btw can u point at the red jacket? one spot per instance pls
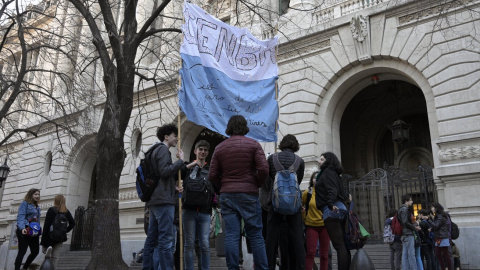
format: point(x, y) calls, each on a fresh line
point(238, 165)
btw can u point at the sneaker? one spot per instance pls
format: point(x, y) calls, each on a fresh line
point(48, 254)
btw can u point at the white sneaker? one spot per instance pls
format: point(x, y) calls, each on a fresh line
point(48, 254)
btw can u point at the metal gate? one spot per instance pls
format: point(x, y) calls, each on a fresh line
point(82, 236)
point(382, 189)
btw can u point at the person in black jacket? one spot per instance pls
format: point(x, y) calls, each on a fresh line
point(441, 229)
point(59, 206)
point(289, 145)
point(196, 215)
point(426, 246)
point(330, 196)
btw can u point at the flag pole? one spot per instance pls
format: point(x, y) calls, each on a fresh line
point(276, 89)
point(180, 225)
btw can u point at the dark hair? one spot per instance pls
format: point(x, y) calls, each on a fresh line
point(391, 213)
point(166, 130)
point(237, 125)
point(289, 142)
point(423, 212)
point(29, 196)
point(314, 174)
point(406, 197)
point(439, 210)
point(202, 143)
point(332, 162)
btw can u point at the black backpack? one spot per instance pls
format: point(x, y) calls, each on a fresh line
point(455, 231)
point(146, 180)
point(196, 191)
point(58, 229)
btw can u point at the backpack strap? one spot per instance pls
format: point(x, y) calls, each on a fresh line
point(276, 163)
point(295, 164)
point(279, 167)
point(309, 197)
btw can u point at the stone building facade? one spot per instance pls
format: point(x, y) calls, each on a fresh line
point(347, 70)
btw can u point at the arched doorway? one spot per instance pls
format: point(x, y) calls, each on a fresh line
point(366, 139)
point(382, 169)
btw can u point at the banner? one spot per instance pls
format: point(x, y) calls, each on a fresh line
point(227, 71)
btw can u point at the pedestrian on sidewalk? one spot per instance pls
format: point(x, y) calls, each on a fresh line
point(58, 222)
point(396, 246)
point(441, 229)
point(29, 211)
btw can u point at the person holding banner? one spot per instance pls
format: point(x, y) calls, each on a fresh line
point(239, 169)
point(161, 233)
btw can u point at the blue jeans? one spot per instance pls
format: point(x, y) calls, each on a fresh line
point(418, 257)
point(409, 261)
point(237, 206)
point(196, 225)
point(159, 245)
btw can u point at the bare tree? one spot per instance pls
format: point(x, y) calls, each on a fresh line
point(119, 41)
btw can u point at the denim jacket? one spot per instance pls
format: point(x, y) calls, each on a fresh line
point(27, 211)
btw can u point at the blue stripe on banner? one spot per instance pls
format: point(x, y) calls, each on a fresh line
point(209, 98)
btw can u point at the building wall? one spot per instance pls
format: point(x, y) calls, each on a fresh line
point(323, 65)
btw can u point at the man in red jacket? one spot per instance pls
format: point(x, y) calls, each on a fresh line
point(238, 169)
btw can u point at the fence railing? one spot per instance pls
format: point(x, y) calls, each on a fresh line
point(82, 236)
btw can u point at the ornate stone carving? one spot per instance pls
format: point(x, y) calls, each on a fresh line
point(360, 27)
point(129, 195)
point(456, 153)
point(433, 11)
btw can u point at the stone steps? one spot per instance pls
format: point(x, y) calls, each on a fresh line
point(78, 260)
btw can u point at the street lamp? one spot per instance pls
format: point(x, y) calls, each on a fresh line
point(400, 131)
point(4, 170)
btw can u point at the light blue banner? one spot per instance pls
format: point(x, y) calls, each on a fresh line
point(209, 98)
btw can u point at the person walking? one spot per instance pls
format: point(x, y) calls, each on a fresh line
point(396, 246)
point(197, 207)
point(441, 230)
point(28, 212)
point(160, 243)
point(52, 222)
point(330, 196)
point(409, 261)
point(238, 169)
point(288, 146)
point(315, 230)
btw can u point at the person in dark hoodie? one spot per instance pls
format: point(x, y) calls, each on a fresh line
point(289, 145)
point(197, 209)
point(330, 196)
point(161, 232)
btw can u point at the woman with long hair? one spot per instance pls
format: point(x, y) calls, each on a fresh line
point(314, 228)
point(56, 239)
point(29, 211)
point(441, 232)
point(330, 197)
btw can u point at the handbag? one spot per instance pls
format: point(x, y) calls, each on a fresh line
point(33, 228)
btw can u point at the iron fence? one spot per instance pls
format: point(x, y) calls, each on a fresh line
point(82, 236)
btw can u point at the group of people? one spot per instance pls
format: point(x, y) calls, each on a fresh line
point(29, 230)
point(238, 169)
point(425, 241)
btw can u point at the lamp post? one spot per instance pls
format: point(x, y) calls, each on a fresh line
point(4, 170)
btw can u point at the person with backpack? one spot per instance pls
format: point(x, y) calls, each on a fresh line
point(393, 240)
point(197, 203)
point(238, 169)
point(160, 242)
point(315, 230)
point(28, 228)
point(278, 163)
point(427, 240)
point(330, 196)
point(409, 261)
point(58, 222)
point(441, 230)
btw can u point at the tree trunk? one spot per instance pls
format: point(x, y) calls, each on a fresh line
point(106, 248)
